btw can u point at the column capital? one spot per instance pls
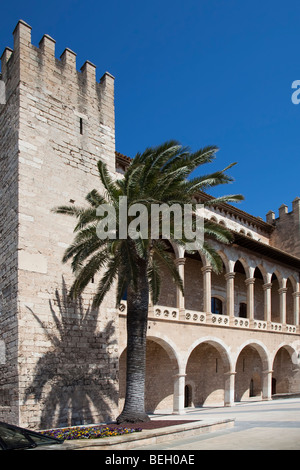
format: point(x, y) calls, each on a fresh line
point(296, 294)
point(229, 276)
point(229, 373)
point(180, 261)
point(266, 372)
point(250, 280)
point(282, 290)
point(206, 269)
point(267, 286)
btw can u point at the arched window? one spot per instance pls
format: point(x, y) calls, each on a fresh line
point(216, 305)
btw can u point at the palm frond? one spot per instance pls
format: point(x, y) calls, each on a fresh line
point(154, 280)
point(108, 183)
point(87, 273)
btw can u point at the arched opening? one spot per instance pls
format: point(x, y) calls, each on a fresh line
point(205, 368)
point(218, 291)
point(240, 291)
point(258, 295)
point(168, 290)
point(275, 303)
point(161, 366)
point(286, 374)
point(193, 282)
point(290, 317)
point(249, 367)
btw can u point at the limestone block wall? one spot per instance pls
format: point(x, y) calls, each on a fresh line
point(66, 355)
point(9, 112)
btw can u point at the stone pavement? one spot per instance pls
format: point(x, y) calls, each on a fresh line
point(267, 425)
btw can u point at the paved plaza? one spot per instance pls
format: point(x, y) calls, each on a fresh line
point(268, 425)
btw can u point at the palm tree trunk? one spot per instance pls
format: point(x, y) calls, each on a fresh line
point(137, 317)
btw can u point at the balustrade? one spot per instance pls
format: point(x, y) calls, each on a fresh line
point(165, 313)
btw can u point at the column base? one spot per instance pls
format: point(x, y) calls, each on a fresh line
point(179, 412)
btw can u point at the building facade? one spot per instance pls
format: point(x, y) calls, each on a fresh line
point(233, 336)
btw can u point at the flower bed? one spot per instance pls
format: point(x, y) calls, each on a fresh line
point(88, 432)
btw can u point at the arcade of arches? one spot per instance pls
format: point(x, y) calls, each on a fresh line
point(221, 359)
point(211, 377)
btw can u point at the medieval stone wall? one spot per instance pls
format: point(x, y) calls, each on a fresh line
point(67, 358)
point(9, 113)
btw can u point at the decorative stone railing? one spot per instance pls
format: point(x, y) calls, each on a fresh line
point(194, 316)
point(161, 312)
point(260, 325)
point(220, 320)
point(290, 328)
point(166, 313)
point(241, 322)
point(276, 326)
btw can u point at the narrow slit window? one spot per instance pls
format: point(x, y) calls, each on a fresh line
point(81, 125)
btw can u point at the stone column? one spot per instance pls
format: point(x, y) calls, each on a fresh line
point(296, 296)
point(229, 388)
point(267, 301)
point(250, 298)
point(282, 297)
point(267, 385)
point(180, 297)
point(207, 288)
point(178, 397)
point(230, 294)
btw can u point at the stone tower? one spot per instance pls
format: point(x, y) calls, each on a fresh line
point(286, 233)
point(58, 362)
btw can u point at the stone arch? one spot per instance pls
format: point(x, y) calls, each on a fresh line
point(245, 265)
point(279, 277)
point(204, 260)
point(221, 347)
point(293, 282)
point(169, 347)
point(251, 364)
point(225, 260)
point(262, 270)
point(242, 272)
point(286, 373)
point(207, 366)
point(277, 282)
point(260, 348)
point(290, 304)
point(162, 364)
point(260, 276)
point(289, 348)
point(178, 249)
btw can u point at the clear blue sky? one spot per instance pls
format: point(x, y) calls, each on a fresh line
point(202, 72)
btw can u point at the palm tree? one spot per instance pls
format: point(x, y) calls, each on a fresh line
point(159, 175)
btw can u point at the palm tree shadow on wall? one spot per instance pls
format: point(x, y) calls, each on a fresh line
point(75, 380)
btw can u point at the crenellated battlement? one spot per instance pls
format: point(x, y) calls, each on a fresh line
point(25, 59)
point(283, 211)
point(59, 99)
point(286, 235)
point(23, 46)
